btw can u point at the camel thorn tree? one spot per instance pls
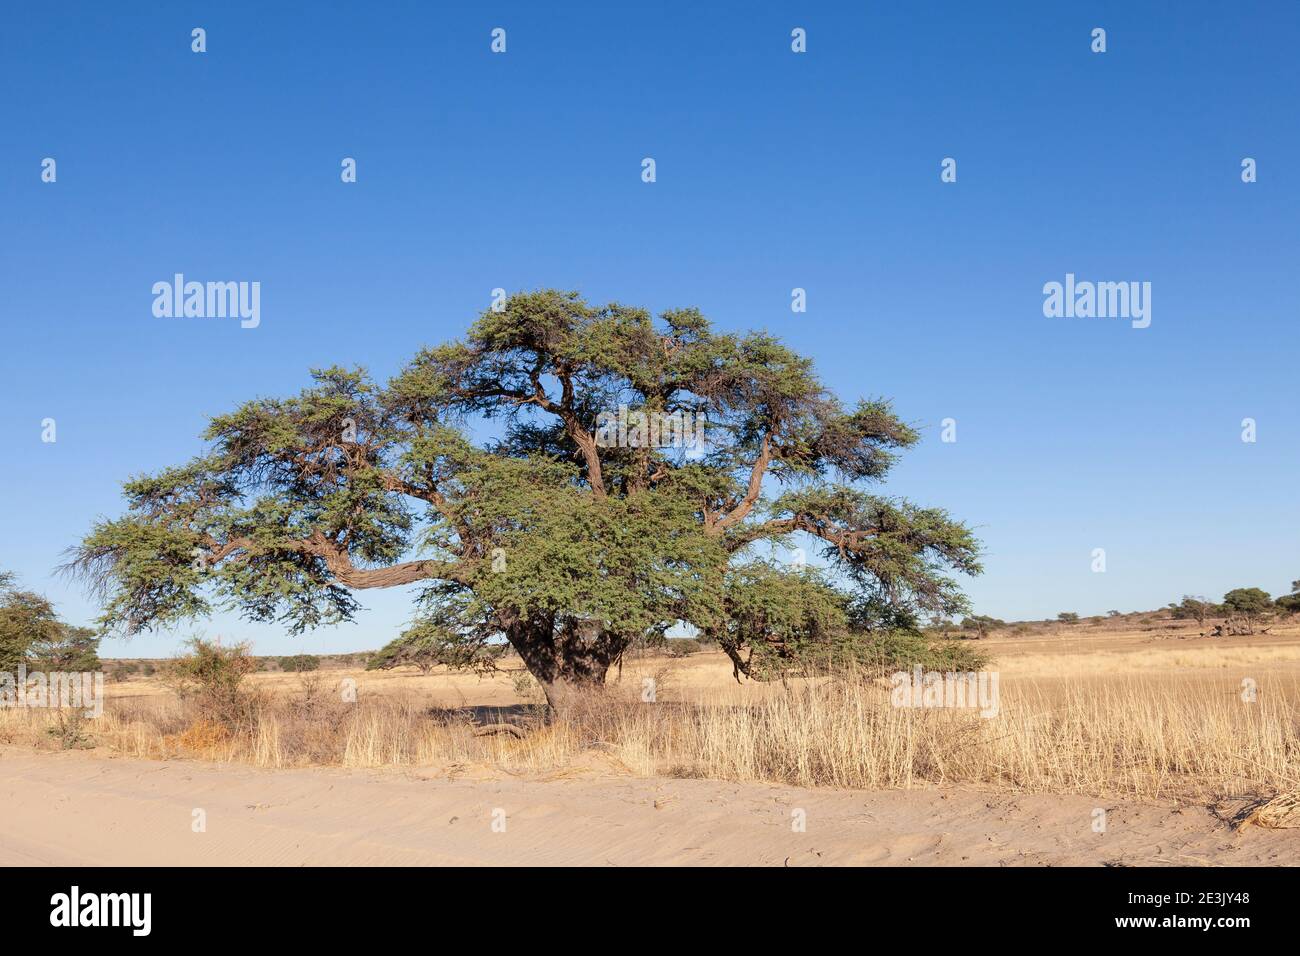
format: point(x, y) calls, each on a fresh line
point(548, 534)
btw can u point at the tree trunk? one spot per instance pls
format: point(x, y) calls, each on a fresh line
point(568, 661)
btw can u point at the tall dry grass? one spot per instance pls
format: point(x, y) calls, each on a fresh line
point(1189, 737)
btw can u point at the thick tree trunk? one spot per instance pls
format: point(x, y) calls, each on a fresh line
point(568, 661)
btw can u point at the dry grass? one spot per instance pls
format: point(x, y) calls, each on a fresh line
point(1146, 732)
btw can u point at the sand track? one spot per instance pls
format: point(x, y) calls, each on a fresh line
point(86, 809)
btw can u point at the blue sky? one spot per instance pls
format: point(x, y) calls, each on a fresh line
point(774, 170)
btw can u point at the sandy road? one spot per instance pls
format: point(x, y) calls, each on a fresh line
point(86, 809)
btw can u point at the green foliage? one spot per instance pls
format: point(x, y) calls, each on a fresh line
point(211, 676)
point(69, 729)
point(1068, 617)
point(428, 644)
point(71, 649)
point(982, 624)
point(774, 619)
point(1290, 603)
point(681, 646)
point(299, 663)
point(544, 537)
point(1193, 609)
point(1248, 602)
point(121, 672)
point(27, 622)
point(887, 653)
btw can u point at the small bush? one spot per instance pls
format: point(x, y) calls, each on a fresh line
point(69, 729)
point(527, 689)
point(298, 663)
point(122, 671)
point(211, 677)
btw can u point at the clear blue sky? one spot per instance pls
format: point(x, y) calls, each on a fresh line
point(775, 170)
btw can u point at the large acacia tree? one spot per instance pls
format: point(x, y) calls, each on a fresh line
point(544, 534)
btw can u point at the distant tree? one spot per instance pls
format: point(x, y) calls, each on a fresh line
point(71, 649)
point(26, 620)
point(1290, 602)
point(1112, 613)
point(1247, 603)
point(1193, 609)
point(981, 624)
point(1068, 617)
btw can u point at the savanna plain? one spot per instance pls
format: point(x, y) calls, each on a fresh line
point(1136, 740)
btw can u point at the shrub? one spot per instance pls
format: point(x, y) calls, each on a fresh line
point(886, 652)
point(1068, 617)
point(681, 646)
point(300, 662)
point(211, 676)
point(889, 652)
point(69, 729)
point(118, 673)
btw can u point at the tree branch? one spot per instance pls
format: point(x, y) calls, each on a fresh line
point(746, 505)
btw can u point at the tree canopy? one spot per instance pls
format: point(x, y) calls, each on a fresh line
point(567, 545)
point(32, 634)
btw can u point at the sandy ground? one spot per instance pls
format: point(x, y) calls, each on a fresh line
point(83, 809)
point(92, 808)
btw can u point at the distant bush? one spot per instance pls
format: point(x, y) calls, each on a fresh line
point(300, 662)
point(681, 646)
point(1068, 617)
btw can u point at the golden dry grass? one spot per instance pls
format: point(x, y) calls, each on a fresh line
point(1138, 717)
